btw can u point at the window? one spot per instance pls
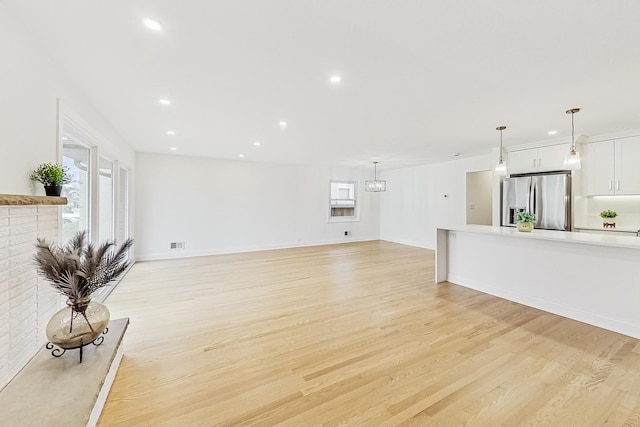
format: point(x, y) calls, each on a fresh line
point(75, 215)
point(122, 232)
point(342, 201)
point(99, 191)
point(105, 202)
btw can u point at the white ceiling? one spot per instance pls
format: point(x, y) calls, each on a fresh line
point(421, 79)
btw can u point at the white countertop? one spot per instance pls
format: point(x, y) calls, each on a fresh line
point(607, 230)
point(553, 235)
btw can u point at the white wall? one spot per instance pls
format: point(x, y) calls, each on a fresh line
point(223, 206)
point(422, 198)
point(31, 84)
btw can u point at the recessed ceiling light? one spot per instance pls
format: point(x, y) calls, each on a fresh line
point(173, 149)
point(65, 138)
point(241, 156)
point(282, 124)
point(456, 154)
point(152, 24)
point(335, 79)
point(552, 132)
point(257, 144)
point(164, 101)
point(170, 132)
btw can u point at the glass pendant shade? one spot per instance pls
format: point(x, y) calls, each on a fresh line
point(572, 161)
point(376, 185)
point(501, 166)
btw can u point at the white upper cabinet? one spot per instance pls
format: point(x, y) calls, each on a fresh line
point(543, 159)
point(611, 167)
point(599, 168)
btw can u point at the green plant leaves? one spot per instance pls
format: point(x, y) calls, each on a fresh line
point(51, 174)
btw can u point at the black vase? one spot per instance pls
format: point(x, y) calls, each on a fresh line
point(53, 190)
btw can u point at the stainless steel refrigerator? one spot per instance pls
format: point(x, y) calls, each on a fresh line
point(547, 195)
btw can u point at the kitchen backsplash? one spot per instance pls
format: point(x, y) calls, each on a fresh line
point(587, 211)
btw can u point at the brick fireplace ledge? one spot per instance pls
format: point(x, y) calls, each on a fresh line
point(62, 391)
point(25, 200)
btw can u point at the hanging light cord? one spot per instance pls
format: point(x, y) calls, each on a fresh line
point(573, 137)
point(375, 171)
point(501, 128)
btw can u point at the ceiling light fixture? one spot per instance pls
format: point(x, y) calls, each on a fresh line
point(572, 161)
point(241, 156)
point(552, 132)
point(377, 185)
point(501, 166)
point(170, 132)
point(257, 144)
point(164, 101)
point(335, 79)
point(152, 24)
point(282, 124)
point(173, 149)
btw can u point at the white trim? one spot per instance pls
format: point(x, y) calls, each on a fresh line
point(189, 254)
point(357, 198)
point(408, 243)
point(106, 386)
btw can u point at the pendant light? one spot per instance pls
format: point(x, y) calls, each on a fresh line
point(377, 185)
point(572, 161)
point(501, 166)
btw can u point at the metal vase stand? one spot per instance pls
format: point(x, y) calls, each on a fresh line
point(57, 351)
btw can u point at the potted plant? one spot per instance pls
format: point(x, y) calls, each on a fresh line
point(605, 215)
point(525, 221)
point(52, 176)
point(76, 270)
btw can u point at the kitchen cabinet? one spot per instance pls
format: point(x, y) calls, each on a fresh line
point(543, 159)
point(611, 167)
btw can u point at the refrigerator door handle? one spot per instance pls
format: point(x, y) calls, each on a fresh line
point(534, 191)
point(532, 199)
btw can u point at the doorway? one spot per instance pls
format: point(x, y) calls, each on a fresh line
point(479, 197)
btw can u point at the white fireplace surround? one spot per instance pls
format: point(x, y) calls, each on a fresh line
point(27, 302)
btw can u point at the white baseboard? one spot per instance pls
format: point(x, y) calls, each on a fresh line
point(408, 243)
point(191, 254)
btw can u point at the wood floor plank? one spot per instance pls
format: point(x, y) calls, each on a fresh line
point(353, 334)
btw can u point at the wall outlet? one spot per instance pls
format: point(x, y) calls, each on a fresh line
point(176, 245)
point(347, 233)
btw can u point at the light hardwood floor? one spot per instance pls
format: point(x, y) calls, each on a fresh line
point(354, 334)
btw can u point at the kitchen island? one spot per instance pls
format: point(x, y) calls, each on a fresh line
point(587, 277)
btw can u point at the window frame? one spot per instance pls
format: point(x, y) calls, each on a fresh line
point(356, 198)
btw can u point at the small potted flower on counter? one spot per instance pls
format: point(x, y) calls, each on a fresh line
point(607, 216)
point(52, 176)
point(525, 221)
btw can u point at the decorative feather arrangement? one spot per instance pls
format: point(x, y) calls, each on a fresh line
point(78, 268)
